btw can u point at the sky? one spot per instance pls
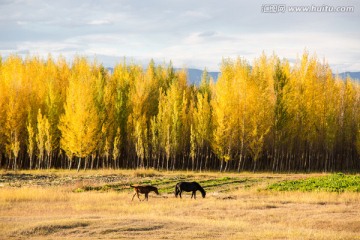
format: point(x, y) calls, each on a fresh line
point(192, 34)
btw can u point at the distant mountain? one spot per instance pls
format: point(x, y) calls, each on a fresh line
point(110, 69)
point(353, 75)
point(194, 75)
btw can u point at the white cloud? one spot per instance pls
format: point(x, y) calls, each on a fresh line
point(100, 22)
point(195, 34)
point(196, 14)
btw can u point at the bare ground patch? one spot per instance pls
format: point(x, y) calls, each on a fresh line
point(44, 229)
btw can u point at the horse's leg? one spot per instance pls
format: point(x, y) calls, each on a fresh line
point(133, 197)
point(180, 193)
point(146, 196)
point(138, 195)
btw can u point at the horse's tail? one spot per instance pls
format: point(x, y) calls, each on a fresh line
point(177, 190)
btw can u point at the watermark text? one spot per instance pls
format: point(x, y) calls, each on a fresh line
point(283, 8)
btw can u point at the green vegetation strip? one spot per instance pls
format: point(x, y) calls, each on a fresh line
point(333, 183)
point(167, 185)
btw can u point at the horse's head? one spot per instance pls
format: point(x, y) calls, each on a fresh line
point(203, 194)
point(156, 191)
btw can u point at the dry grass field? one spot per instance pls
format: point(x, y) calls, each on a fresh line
point(97, 205)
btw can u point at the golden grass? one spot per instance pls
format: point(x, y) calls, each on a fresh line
point(56, 212)
point(33, 194)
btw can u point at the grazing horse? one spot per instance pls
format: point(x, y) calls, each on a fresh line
point(189, 187)
point(144, 190)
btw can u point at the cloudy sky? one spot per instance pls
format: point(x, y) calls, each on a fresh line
point(193, 34)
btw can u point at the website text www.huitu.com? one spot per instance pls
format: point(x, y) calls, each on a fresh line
point(283, 8)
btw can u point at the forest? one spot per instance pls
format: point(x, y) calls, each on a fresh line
point(265, 115)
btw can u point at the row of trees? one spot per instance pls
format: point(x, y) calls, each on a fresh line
point(265, 116)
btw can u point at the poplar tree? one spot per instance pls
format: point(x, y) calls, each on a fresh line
point(223, 107)
point(270, 115)
point(42, 134)
point(31, 143)
point(15, 108)
point(79, 123)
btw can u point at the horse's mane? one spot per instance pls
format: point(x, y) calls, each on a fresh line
point(152, 187)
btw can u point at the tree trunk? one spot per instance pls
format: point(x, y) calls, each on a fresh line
point(78, 168)
point(92, 162)
point(86, 161)
point(14, 166)
point(30, 162)
point(70, 162)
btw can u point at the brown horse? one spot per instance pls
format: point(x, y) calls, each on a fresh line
point(144, 190)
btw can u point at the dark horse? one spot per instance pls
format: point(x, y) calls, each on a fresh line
point(189, 187)
point(144, 190)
